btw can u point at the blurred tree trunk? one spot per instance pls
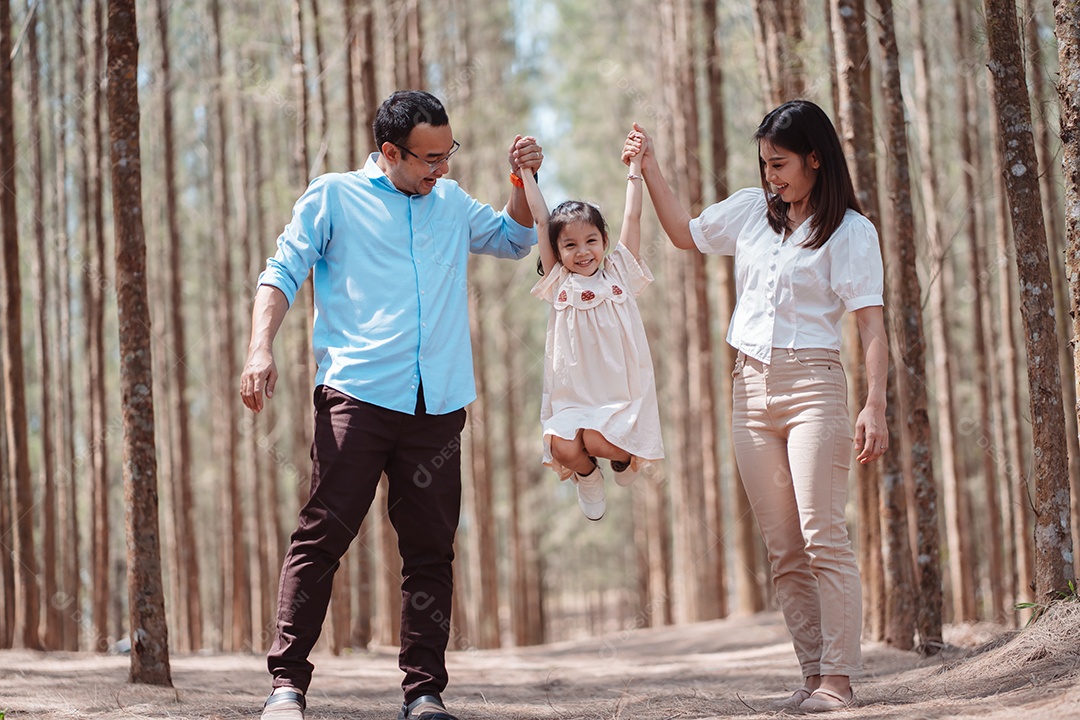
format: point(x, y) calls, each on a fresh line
point(853, 71)
point(1067, 23)
point(52, 620)
point(983, 350)
point(24, 630)
point(236, 582)
point(189, 633)
point(485, 574)
point(387, 628)
point(414, 46)
point(146, 602)
point(65, 408)
point(957, 511)
point(1015, 468)
point(1053, 547)
point(714, 78)
point(96, 282)
point(779, 28)
point(7, 552)
point(1056, 238)
point(906, 389)
point(322, 156)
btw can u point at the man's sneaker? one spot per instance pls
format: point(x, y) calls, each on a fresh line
point(425, 707)
point(624, 475)
point(284, 705)
point(590, 493)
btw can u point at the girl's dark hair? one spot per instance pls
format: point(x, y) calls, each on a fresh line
point(802, 127)
point(571, 211)
point(404, 110)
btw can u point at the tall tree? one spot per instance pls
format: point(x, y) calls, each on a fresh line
point(1067, 25)
point(53, 620)
point(779, 27)
point(146, 602)
point(984, 349)
point(237, 582)
point(961, 568)
point(906, 389)
point(188, 589)
point(856, 111)
point(1053, 547)
point(27, 600)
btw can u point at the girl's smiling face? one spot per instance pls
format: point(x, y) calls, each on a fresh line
point(581, 247)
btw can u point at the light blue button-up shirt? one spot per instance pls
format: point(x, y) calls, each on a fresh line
point(391, 295)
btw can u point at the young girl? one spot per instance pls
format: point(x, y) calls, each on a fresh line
point(803, 256)
point(599, 390)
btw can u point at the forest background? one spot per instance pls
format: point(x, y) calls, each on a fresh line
point(242, 103)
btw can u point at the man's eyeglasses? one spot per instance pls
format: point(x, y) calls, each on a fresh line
point(433, 165)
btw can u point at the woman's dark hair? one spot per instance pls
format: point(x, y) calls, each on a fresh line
point(802, 127)
point(403, 111)
point(568, 212)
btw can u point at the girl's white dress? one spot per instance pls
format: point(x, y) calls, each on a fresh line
point(598, 372)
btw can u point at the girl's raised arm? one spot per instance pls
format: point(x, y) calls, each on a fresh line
point(630, 236)
point(540, 213)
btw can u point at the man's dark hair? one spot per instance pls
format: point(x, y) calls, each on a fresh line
point(403, 111)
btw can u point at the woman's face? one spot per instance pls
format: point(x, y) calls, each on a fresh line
point(792, 176)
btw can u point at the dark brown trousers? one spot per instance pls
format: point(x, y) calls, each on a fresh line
point(355, 442)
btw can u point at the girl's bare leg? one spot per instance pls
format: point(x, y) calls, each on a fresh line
point(597, 445)
point(572, 453)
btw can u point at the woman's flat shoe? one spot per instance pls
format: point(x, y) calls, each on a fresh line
point(823, 700)
point(793, 701)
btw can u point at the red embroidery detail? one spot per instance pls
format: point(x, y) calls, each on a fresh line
point(616, 290)
point(562, 296)
point(587, 295)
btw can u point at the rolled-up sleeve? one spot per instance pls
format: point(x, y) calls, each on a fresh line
point(857, 272)
point(717, 228)
point(302, 242)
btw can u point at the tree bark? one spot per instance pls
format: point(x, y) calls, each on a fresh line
point(1067, 24)
point(1055, 237)
point(905, 388)
point(189, 584)
point(957, 510)
point(983, 350)
point(24, 630)
point(1053, 536)
point(853, 71)
point(53, 618)
point(779, 24)
point(146, 602)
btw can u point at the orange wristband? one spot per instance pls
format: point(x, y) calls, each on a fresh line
point(516, 181)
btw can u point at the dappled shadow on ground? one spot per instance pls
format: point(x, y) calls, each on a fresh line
point(722, 669)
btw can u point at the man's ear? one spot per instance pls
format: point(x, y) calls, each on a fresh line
point(390, 151)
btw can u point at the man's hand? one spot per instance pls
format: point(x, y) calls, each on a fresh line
point(260, 376)
point(525, 153)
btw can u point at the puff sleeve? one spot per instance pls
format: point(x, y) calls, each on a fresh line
point(857, 274)
point(717, 228)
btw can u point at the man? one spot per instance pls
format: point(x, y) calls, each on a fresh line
point(389, 245)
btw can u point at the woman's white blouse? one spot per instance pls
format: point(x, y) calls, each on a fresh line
point(788, 296)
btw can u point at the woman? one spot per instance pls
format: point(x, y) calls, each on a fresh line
point(803, 256)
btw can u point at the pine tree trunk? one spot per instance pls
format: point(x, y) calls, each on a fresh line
point(7, 553)
point(69, 528)
point(53, 620)
point(906, 391)
point(1056, 239)
point(853, 71)
point(146, 602)
point(779, 24)
point(96, 281)
point(27, 599)
point(970, 143)
point(322, 160)
point(485, 574)
point(957, 510)
point(187, 561)
point(714, 74)
point(1067, 23)
point(1053, 547)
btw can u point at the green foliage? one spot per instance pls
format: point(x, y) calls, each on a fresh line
point(1064, 595)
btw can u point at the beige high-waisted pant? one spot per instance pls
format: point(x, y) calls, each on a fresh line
point(793, 446)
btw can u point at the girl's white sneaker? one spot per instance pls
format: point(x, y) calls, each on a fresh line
point(590, 493)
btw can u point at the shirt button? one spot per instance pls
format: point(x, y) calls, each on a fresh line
point(423, 324)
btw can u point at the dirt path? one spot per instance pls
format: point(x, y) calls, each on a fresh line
point(722, 669)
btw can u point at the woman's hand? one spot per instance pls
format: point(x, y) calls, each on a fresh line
point(871, 434)
point(638, 144)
